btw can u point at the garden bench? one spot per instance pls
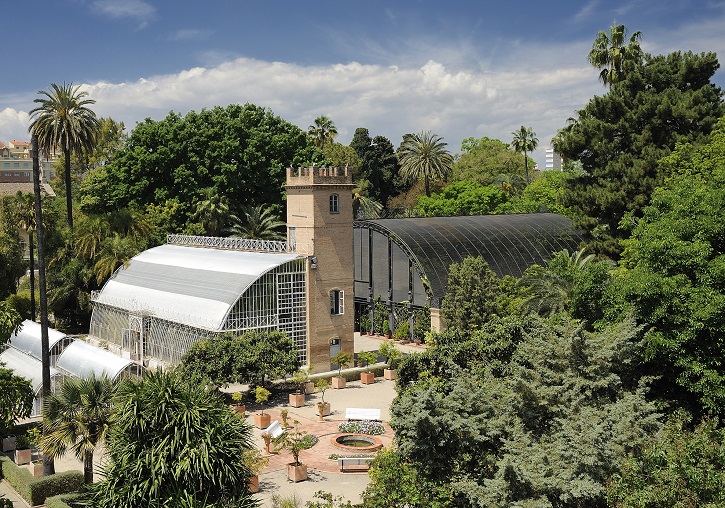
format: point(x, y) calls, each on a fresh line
point(359, 463)
point(361, 413)
point(275, 429)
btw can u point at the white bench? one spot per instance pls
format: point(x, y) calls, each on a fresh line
point(275, 429)
point(360, 463)
point(361, 413)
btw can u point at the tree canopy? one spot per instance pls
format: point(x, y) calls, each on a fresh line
point(619, 138)
point(238, 151)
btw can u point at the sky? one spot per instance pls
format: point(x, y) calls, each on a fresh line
point(458, 68)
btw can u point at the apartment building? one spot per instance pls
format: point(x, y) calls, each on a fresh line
point(16, 163)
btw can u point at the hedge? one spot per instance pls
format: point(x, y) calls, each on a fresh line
point(36, 490)
point(66, 501)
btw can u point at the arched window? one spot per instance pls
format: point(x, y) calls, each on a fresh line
point(334, 203)
point(337, 302)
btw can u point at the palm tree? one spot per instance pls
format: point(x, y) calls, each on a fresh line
point(77, 417)
point(258, 223)
point(63, 120)
point(612, 55)
point(525, 140)
point(26, 217)
point(424, 155)
point(212, 211)
point(323, 131)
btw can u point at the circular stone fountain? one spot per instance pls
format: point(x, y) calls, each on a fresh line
point(358, 443)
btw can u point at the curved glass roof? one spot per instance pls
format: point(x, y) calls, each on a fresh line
point(80, 359)
point(190, 285)
point(24, 365)
point(27, 339)
point(508, 243)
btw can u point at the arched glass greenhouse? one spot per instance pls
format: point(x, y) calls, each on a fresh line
point(407, 260)
point(171, 296)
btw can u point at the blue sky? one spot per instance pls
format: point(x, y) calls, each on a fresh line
point(458, 68)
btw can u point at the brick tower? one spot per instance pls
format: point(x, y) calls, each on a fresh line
point(319, 225)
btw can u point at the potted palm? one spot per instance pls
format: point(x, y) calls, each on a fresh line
point(323, 384)
point(342, 360)
point(392, 355)
point(256, 462)
point(261, 419)
point(295, 441)
point(369, 358)
point(299, 379)
point(238, 407)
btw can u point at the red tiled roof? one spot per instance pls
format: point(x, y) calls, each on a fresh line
point(12, 188)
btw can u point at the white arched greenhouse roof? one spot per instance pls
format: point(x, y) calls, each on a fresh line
point(190, 285)
point(26, 366)
point(81, 359)
point(27, 339)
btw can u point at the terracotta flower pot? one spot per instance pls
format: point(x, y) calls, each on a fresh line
point(23, 456)
point(297, 473)
point(262, 421)
point(253, 484)
point(309, 387)
point(367, 378)
point(239, 409)
point(338, 382)
point(390, 374)
point(9, 443)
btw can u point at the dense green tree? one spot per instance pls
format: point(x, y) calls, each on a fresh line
point(679, 467)
point(11, 253)
point(241, 152)
point(323, 132)
point(424, 156)
point(63, 120)
point(473, 294)
point(17, 399)
point(378, 177)
point(212, 211)
point(77, 417)
point(674, 281)
point(173, 443)
point(10, 321)
point(613, 54)
point(462, 198)
point(252, 357)
point(341, 156)
point(619, 139)
point(481, 160)
point(547, 427)
point(524, 141)
point(259, 223)
point(543, 194)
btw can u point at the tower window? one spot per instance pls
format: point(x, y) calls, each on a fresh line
point(334, 203)
point(337, 302)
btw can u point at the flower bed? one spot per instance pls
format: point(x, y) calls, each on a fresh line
point(368, 427)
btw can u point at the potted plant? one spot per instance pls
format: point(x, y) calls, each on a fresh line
point(23, 453)
point(392, 355)
point(256, 462)
point(342, 360)
point(309, 384)
point(38, 468)
point(299, 378)
point(321, 410)
point(386, 329)
point(402, 331)
point(262, 420)
point(369, 358)
point(284, 414)
point(323, 384)
point(295, 441)
point(238, 407)
point(267, 437)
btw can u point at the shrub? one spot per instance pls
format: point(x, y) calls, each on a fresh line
point(75, 500)
point(36, 490)
point(368, 427)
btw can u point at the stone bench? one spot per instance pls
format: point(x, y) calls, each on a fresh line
point(359, 463)
point(359, 413)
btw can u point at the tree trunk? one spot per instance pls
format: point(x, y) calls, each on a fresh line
point(427, 186)
point(32, 277)
point(88, 468)
point(48, 463)
point(526, 165)
point(68, 196)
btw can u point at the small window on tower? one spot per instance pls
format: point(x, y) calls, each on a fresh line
point(334, 203)
point(337, 302)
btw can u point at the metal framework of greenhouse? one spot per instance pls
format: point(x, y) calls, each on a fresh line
point(154, 310)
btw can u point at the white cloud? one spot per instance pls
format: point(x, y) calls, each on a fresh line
point(14, 125)
point(136, 9)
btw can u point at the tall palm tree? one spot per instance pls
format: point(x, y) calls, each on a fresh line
point(77, 417)
point(612, 54)
point(258, 223)
point(525, 140)
point(424, 155)
point(25, 214)
point(63, 120)
point(323, 131)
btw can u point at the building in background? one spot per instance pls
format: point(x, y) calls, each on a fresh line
point(553, 160)
point(16, 163)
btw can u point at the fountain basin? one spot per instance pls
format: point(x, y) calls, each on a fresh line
point(356, 443)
